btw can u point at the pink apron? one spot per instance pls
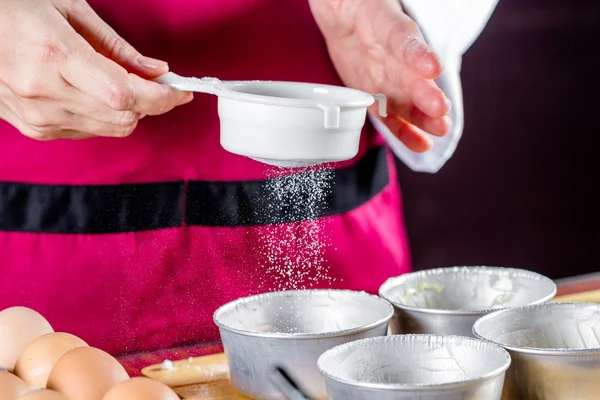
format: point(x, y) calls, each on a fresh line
point(133, 243)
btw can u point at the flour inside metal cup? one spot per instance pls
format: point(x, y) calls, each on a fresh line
point(468, 288)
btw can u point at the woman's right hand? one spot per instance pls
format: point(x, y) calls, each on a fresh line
point(65, 74)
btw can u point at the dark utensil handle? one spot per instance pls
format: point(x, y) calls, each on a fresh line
point(287, 386)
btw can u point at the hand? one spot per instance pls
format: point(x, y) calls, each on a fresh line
point(377, 48)
point(64, 73)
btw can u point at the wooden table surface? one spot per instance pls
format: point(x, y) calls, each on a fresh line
point(135, 362)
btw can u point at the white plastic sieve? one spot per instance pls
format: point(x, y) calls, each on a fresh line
point(286, 124)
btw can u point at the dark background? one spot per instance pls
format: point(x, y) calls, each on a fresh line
point(521, 189)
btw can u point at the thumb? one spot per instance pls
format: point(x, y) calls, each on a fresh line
point(107, 42)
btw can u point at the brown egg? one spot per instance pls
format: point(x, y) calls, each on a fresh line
point(11, 387)
point(85, 373)
point(37, 359)
point(43, 394)
point(141, 389)
point(19, 326)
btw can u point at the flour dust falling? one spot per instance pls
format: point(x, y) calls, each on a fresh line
point(293, 249)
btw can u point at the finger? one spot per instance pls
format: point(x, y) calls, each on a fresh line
point(106, 115)
point(66, 125)
point(406, 109)
point(412, 115)
point(69, 134)
point(38, 134)
point(107, 42)
point(91, 127)
point(79, 103)
point(111, 85)
point(151, 98)
point(56, 115)
point(408, 134)
point(429, 98)
point(49, 120)
point(433, 126)
point(186, 99)
point(7, 101)
point(418, 56)
point(402, 36)
point(8, 115)
point(406, 43)
point(421, 92)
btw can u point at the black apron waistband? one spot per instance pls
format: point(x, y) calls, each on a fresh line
point(92, 209)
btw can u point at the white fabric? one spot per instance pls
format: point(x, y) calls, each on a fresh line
point(450, 27)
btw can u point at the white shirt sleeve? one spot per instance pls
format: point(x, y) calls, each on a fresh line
point(450, 28)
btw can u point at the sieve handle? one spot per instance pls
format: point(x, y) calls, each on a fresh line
point(286, 385)
point(198, 85)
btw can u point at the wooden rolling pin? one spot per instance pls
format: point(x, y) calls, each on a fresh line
point(204, 377)
point(593, 296)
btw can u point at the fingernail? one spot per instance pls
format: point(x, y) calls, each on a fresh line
point(151, 63)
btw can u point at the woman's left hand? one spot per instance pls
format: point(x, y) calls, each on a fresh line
point(377, 48)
